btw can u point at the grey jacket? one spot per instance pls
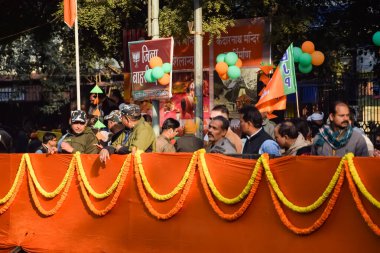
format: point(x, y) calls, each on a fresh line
point(355, 145)
point(223, 146)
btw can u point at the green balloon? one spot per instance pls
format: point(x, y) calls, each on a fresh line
point(157, 73)
point(297, 53)
point(220, 57)
point(305, 69)
point(233, 72)
point(166, 67)
point(148, 76)
point(231, 58)
point(305, 59)
point(376, 38)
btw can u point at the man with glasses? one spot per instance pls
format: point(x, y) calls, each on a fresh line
point(79, 137)
point(49, 144)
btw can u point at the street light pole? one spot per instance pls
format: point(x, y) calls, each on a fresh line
point(155, 7)
point(198, 67)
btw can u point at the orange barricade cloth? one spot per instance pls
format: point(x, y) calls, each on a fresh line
point(174, 203)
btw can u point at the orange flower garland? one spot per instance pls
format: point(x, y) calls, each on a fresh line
point(63, 195)
point(178, 206)
point(375, 228)
point(16, 188)
point(243, 207)
point(125, 169)
point(320, 221)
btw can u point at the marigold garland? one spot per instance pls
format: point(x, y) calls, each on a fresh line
point(243, 207)
point(375, 228)
point(148, 187)
point(181, 200)
point(42, 191)
point(359, 182)
point(89, 188)
point(215, 191)
point(320, 221)
point(313, 206)
point(54, 210)
point(93, 209)
point(14, 190)
point(11, 191)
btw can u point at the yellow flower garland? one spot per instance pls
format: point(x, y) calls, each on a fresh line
point(91, 206)
point(89, 188)
point(17, 178)
point(63, 195)
point(317, 203)
point(11, 195)
point(148, 187)
point(359, 183)
point(41, 190)
point(215, 191)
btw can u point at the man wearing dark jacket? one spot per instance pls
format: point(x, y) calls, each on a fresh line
point(189, 142)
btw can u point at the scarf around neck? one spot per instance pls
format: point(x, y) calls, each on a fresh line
point(337, 139)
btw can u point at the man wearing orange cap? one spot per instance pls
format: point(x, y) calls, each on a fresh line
point(189, 142)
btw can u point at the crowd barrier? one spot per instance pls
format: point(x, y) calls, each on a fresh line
point(187, 202)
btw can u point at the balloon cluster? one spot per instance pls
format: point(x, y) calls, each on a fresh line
point(306, 56)
point(158, 71)
point(376, 38)
point(228, 66)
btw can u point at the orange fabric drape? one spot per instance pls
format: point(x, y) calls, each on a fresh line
point(129, 227)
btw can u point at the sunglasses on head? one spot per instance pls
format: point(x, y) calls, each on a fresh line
point(79, 122)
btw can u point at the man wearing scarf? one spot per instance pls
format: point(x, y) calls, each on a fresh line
point(338, 138)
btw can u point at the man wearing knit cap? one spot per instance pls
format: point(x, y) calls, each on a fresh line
point(189, 142)
point(79, 138)
point(118, 134)
point(141, 137)
point(316, 122)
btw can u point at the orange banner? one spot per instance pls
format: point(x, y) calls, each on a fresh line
point(115, 207)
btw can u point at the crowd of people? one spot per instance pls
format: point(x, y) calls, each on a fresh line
point(128, 130)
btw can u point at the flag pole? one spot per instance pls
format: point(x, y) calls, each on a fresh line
point(77, 57)
point(298, 106)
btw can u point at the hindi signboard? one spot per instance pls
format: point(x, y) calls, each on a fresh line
point(140, 53)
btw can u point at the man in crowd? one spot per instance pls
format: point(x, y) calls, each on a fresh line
point(291, 140)
point(217, 131)
point(221, 110)
point(141, 137)
point(258, 141)
point(268, 125)
point(49, 144)
point(118, 134)
point(79, 137)
point(188, 142)
point(169, 131)
point(338, 138)
point(5, 141)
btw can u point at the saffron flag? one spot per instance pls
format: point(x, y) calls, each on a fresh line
point(69, 12)
point(281, 84)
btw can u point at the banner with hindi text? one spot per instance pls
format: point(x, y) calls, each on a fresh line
point(140, 53)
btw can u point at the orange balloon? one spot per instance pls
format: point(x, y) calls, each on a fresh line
point(165, 80)
point(155, 62)
point(308, 47)
point(224, 76)
point(317, 58)
point(239, 63)
point(221, 68)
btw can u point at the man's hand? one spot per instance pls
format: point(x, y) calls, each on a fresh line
point(104, 155)
point(67, 147)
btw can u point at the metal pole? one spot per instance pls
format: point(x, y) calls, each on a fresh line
point(155, 35)
point(198, 67)
point(77, 58)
